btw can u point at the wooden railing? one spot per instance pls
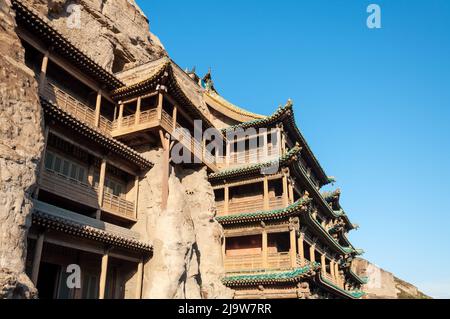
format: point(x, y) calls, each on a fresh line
point(248, 157)
point(249, 206)
point(76, 108)
point(69, 188)
point(119, 206)
point(275, 261)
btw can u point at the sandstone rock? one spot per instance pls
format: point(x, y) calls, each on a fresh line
point(115, 33)
point(383, 284)
point(187, 261)
point(21, 146)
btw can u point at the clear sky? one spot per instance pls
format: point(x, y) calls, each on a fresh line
point(374, 105)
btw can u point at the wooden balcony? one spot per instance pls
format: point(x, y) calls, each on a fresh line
point(259, 155)
point(85, 194)
point(68, 188)
point(76, 108)
point(248, 206)
point(118, 207)
point(244, 263)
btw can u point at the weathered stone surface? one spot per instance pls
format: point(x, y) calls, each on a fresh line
point(21, 146)
point(187, 261)
point(115, 33)
point(383, 284)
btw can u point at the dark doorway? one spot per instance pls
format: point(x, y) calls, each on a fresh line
point(47, 280)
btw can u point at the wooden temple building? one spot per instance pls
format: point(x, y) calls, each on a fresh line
point(284, 238)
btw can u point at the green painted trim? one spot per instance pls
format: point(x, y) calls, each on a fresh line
point(270, 277)
point(357, 294)
point(263, 215)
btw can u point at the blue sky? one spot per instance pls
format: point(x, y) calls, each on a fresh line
point(373, 104)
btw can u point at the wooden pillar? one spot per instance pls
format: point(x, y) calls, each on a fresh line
point(280, 149)
point(226, 200)
point(103, 275)
point(312, 253)
point(137, 117)
point(336, 273)
point(174, 117)
point(291, 192)
point(265, 146)
point(285, 190)
point(323, 262)
point(136, 196)
point(140, 277)
point(165, 167)
point(98, 104)
point(265, 253)
point(301, 248)
point(283, 143)
point(228, 154)
point(42, 163)
point(120, 114)
point(266, 193)
point(293, 249)
point(332, 273)
point(160, 106)
point(37, 258)
point(101, 186)
point(43, 74)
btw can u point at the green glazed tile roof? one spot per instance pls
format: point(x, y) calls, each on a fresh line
point(298, 206)
point(362, 280)
point(286, 113)
point(356, 294)
point(271, 277)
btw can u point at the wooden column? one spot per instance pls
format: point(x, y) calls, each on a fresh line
point(323, 263)
point(291, 192)
point(43, 74)
point(165, 142)
point(37, 258)
point(140, 277)
point(336, 273)
point(42, 163)
point(265, 252)
point(174, 117)
point(101, 187)
point(137, 117)
point(280, 148)
point(285, 190)
point(98, 104)
point(293, 249)
point(301, 248)
point(160, 106)
point(226, 200)
point(332, 273)
point(228, 154)
point(266, 193)
point(119, 120)
point(312, 253)
point(136, 196)
point(283, 143)
point(103, 275)
point(265, 146)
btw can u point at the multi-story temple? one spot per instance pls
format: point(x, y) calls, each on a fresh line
point(283, 237)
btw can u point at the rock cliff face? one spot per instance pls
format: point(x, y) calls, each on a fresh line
point(21, 145)
point(115, 33)
point(187, 240)
point(383, 284)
